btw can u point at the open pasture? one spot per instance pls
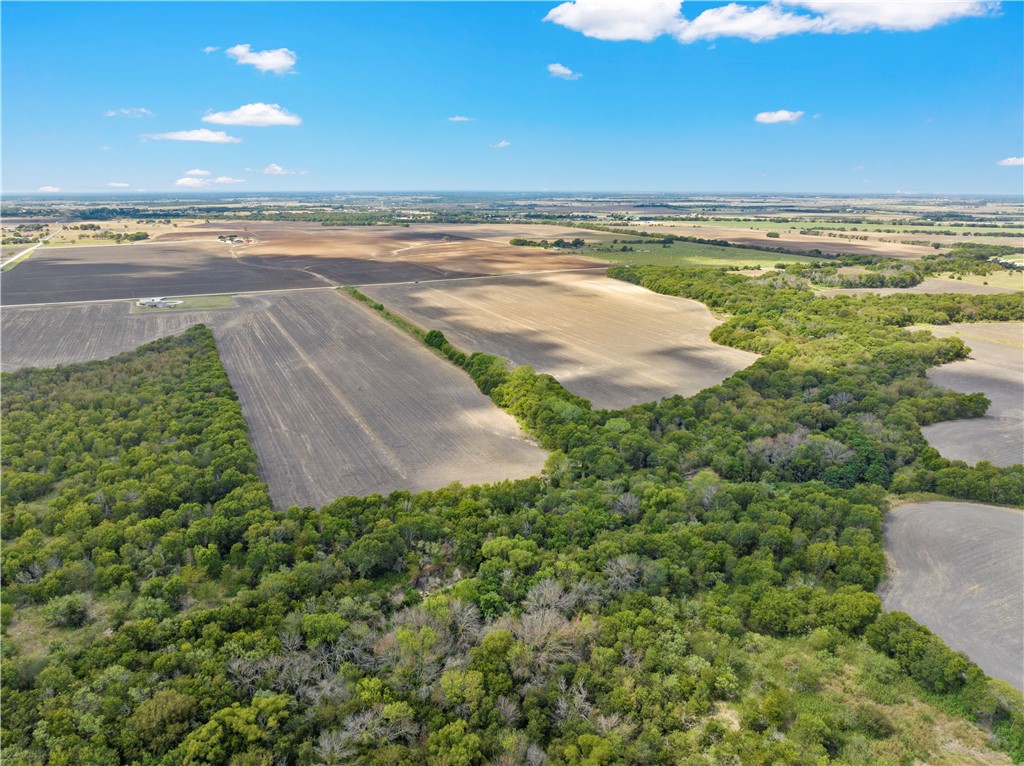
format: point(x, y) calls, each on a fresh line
point(956, 568)
point(612, 342)
point(1001, 282)
point(995, 368)
point(695, 254)
point(337, 401)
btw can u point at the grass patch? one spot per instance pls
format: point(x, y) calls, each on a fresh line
point(692, 254)
point(191, 303)
point(11, 264)
point(1011, 279)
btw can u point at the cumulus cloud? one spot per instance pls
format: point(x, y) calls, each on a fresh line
point(273, 169)
point(131, 111)
point(1011, 162)
point(460, 118)
point(204, 135)
point(210, 49)
point(500, 145)
point(192, 183)
point(48, 189)
point(197, 172)
point(256, 115)
point(647, 19)
point(278, 61)
point(618, 20)
point(780, 115)
point(118, 185)
point(563, 72)
point(228, 180)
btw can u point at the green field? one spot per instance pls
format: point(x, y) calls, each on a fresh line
point(922, 230)
point(192, 303)
point(692, 254)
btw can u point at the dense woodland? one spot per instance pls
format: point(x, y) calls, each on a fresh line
point(689, 581)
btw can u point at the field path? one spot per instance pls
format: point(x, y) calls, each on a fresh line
point(959, 569)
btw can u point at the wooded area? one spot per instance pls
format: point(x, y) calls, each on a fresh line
point(689, 581)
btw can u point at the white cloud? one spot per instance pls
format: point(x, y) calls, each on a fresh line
point(278, 61)
point(48, 189)
point(118, 185)
point(781, 115)
point(500, 145)
point(762, 22)
point(228, 180)
point(197, 172)
point(131, 111)
point(857, 168)
point(1011, 162)
point(273, 169)
point(461, 118)
point(256, 115)
point(914, 16)
point(105, 149)
point(204, 135)
point(617, 20)
point(193, 183)
point(210, 49)
point(563, 72)
point(647, 19)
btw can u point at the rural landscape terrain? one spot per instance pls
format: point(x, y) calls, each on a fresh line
point(567, 383)
point(690, 407)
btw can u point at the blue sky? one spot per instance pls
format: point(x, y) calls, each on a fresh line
point(867, 102)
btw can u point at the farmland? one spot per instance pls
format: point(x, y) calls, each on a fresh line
point(337, 402)
point(956, 567)
point(282, 255)
point(581, 328)
point(1001, 282)
point(995, 368)
point(341, 403)
point(792, 240)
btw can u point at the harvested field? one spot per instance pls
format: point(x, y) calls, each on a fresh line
point(995, 368)
point(284, 256)
point(68, 274)
point(612, 342)
point(929, 285)
point(957, 568)
point(47, 336)
point(337, 401)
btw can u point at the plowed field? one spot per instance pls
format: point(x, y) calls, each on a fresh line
point(957, 568)
point(612, 342)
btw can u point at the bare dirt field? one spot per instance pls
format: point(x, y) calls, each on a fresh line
point(995, 368)
point(47, 336)
point(337, 401)
point(959, 569)
point(67, 274)
point(929, 285)
point(284, 256)
point(612, 342)
point(792, 240)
